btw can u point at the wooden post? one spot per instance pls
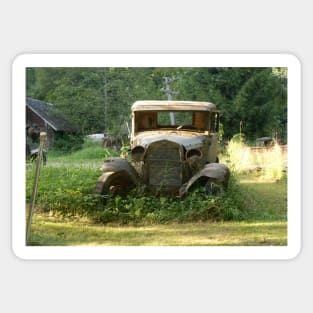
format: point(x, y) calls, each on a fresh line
point(43, 138)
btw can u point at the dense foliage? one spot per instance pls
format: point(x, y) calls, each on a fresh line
point(67, 183)
point(65, 142)
point(98, 99)
point(68, 191)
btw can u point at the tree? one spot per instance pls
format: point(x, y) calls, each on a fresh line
point(99, 99)
point(255, 97)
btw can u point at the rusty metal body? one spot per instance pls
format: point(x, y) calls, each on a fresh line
point(170, 158)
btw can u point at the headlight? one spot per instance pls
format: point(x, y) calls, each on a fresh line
point(137, 153)
point(193, 153)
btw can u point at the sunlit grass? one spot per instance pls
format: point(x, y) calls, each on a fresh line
point(270, 162)
point(237, 156)
point(51, 232)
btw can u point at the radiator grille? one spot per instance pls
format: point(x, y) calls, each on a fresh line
point(164, 164)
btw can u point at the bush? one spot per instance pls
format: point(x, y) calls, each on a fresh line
point(66, 142)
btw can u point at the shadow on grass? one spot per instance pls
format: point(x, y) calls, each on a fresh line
point(189, 234)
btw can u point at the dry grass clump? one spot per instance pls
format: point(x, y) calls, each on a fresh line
point(270, 162)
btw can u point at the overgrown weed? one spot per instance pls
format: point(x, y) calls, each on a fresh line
point(69, 192)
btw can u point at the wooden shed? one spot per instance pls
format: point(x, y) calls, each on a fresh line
point(46, 117)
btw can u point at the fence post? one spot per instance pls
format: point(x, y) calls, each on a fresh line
point(43, 138)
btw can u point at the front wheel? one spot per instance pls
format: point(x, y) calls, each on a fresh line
point(113, 183)
point(212, 188)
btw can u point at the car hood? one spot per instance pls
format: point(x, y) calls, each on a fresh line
point(190, 140)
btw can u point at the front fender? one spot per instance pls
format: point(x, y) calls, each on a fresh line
point(118, 175)
point(116, 164)
point(218, 173)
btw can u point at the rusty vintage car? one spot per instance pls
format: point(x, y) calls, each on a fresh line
point(173, 146)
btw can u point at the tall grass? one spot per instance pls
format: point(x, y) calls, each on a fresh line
point(269, 162)
point(237, 156)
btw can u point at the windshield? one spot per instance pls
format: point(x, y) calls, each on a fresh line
point(175, 118)
point(182, 120)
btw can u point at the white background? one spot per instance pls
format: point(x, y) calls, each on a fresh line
point(162, 26)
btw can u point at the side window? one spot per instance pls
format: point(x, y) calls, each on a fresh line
point(214, 122)
point(200, 120)
point(145, 120)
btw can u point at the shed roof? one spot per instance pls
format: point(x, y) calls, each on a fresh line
point(50, 114)
point(160, 105)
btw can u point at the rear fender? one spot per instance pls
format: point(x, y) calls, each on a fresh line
point(216, 172)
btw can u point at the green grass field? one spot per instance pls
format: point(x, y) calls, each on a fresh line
point(49, 231)
point(65, 211)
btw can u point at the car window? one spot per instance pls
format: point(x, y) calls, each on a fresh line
point(181, 118)
point(184, 120)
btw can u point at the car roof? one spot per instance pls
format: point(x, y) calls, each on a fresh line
point(165, 105)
